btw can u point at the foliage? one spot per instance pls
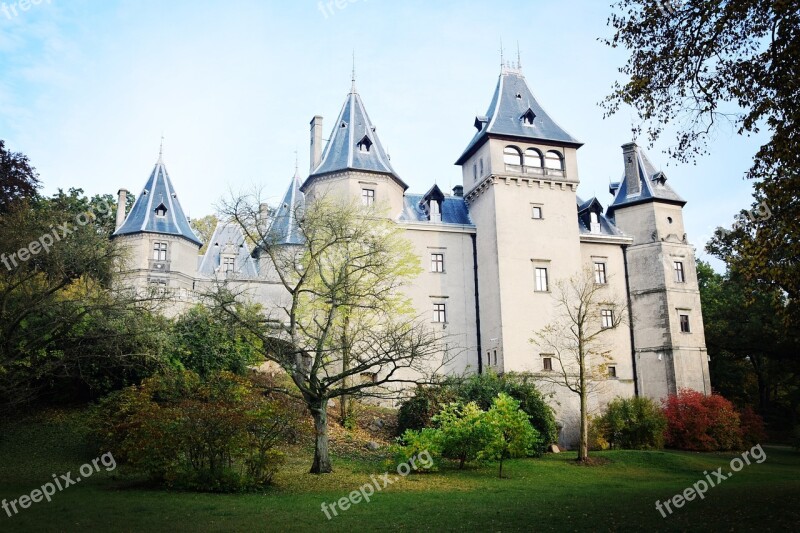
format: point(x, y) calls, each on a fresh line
point(796, 438)
point(417, 411)
point(701, 423)
point(751, 427)
point(709, 63)
point(413, 442)
point(464, 432)
point(206, 342)
point(19, 181)
point(346, 313)
point(636, 423)
point(215, 435)
point(511, 433)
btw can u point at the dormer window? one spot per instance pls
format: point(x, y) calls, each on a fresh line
point(343, 124)
point(528, 117)
point(595, 222)
point(364, 145)
point(161, 210)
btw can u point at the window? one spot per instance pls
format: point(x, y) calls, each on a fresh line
point(533, 158)
point(367, 196)
point(607, 318)
point(685, 324)
point(474, 171)
point(495, 357)
point(439, 313)
point(488, 358)
point(679, 274)
point(612, 371)
point(600, 273)
point(364, 145)
point(160, 251)
point(536, 212)
point(437, 262)
point(228, 264)
point(595, 223)
point(512, 156)
point(541, 279)
point(369, 377)
point(547, 364)
point(481, 166)
point(161, 210)
point(528, 117)
point(554, 161)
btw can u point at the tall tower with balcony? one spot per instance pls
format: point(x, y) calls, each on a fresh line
point(520, 176)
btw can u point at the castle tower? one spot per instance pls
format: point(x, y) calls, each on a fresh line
point(669, 342)
point(354, 163)
point(163, 249)
point(520, 177)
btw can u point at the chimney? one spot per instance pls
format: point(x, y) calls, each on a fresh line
point(316, 141)
point(122, 199)
point(630, 155)
point(458, 190)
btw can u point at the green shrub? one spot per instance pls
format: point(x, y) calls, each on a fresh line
point(630, 423)
point(418, 411)
point(511, 433)
point(464, 432)
point(414, 442)
point(214, 435)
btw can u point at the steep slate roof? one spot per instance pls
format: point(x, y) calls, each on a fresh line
point(653, 186)
point(511, 103)
point(142, 218)
point(454, 210)
point(607, 226)
point(283, 227)
point(343, 150)
point(228, 238)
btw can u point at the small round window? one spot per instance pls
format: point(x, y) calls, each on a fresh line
point(669, 219)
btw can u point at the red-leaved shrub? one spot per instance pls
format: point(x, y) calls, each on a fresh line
point(752, 427)
point(701, 423)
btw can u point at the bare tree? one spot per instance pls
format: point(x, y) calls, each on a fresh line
point(342, 326)
point(587, 311)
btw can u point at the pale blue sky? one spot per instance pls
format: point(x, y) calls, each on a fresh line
point(88, 86)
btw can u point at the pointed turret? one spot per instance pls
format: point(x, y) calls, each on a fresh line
point(283, 228)
point(515, 113)
point(641, 182)
point(354, 145)
point(157, 209)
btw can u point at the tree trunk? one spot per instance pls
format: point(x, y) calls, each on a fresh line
point(583, 449)
point(322, 460)
point(501, 466)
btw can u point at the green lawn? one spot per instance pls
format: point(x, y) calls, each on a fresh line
point(544, 494)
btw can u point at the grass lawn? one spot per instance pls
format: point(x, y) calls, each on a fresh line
point(544, 494)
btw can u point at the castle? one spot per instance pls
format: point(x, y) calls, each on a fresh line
point(492, 249)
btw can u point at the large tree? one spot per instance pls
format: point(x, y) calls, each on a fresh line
point(695, 65)
point(18, 179)
point(343, 326)
point(577, 341)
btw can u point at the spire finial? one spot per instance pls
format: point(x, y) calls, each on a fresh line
point(296, 165)
point(353, 78)
point(519, 60)
point(161, 147)
point(502, 62)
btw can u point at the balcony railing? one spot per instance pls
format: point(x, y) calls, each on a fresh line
point(537, 171)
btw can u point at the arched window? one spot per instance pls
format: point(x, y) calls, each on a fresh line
point(554, 160)
point(512, 156)
point(533, 158)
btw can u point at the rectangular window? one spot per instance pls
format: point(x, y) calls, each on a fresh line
point(488, 358)
point(612, 371)
point(685, 324)
point(495, 357)
point(439, 313)
point(547, 363)
point(600, 273)
point(160, 251)
point(541, 279)
point(367, 196)
point(437, 262)
point(607, 318)
point(536, 212)
point(228, 264)
point(679, 274)
point(369, 377)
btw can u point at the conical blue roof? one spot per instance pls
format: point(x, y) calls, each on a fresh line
point(653, 186)
point(228, 239)
point(283, 228)
point(514, 112)
point(354, 144)
point(157, 209)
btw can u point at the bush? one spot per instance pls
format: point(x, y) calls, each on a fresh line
point(631, 423)
point(217, 435)
point(464, 432)
point(511, 433)
point(418, 411)
point(752, 427)
point(701, 423)
point(414, 442)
